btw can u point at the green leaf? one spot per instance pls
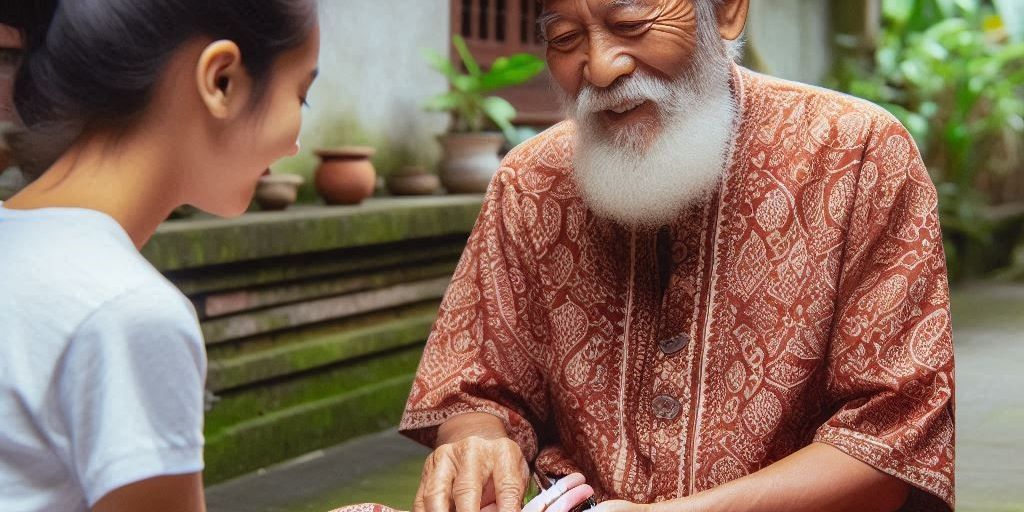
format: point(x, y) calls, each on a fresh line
point(897, 11)
point(501, 113)
point(514, 70)
point(467, 58)
point(443, 102)
point(440, 63)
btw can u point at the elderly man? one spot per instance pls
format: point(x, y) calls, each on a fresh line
point(707, 290)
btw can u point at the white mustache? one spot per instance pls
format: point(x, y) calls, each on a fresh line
point(630, 90)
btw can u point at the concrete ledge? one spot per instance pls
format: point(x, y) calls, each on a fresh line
point(190, 243)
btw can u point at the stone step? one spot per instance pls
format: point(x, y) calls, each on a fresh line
point(291, 432)
point(243, 404)
point(247, 324)
point(227, 303)
point(201, 241)
point(317, 352)
point(249, 274)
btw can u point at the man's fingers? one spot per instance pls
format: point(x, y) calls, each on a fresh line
point(472, 470)
point(435, 493)
point(510, 475)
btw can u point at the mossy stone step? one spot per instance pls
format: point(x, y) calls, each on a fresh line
point(243, 325)
point(320, 351)
point(200, 242)
point(295, 431)
point(243, 404)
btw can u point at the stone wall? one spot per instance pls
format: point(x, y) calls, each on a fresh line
point(373, 82)
point(314, 318)
point(792, 39)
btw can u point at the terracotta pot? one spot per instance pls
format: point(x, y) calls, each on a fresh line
point(470, 161)
point(413, 181)
point(277, 191)
point(345, 175)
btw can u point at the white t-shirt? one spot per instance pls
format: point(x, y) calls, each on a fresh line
point(102, 364)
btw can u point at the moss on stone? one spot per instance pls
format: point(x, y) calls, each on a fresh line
point(243, 404)
point(298, 430)
point(317, 352)
point(202, 242)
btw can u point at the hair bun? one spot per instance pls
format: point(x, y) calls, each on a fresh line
point(32, 17)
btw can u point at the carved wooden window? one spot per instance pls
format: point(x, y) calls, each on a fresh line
point(493, 28)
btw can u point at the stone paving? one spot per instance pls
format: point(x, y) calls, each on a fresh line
point(989, 337)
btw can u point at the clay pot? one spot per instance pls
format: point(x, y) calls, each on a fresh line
point(345, 175)
point(413, 181)
point(278, 191)
point(470, 161)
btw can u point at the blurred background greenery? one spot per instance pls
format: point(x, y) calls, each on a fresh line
point(953, 72)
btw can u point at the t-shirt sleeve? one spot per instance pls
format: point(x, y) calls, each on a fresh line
point(131, 391)
point(890, 374)
point(478, 357)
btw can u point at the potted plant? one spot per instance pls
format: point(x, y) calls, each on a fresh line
point(277, 191)
point(413, 180)
point(470, 154)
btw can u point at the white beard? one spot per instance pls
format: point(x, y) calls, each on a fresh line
point(644, 180)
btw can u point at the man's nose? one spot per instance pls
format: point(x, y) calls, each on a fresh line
point(606, 63)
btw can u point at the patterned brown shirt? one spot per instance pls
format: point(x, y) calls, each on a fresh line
point(803, 301)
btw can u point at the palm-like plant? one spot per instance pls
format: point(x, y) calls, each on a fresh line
point(469, 98)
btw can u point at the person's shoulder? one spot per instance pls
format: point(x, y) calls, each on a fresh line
point(542, 162)
point(828, 113)
point(66, 268)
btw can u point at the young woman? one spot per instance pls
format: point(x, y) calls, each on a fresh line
point(142, 105)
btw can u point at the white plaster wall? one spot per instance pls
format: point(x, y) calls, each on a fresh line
point(373, 81)
point(792, 38)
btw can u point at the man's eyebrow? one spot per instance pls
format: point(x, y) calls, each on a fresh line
point(546, 18)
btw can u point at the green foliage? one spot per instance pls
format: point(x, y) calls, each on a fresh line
point(953, 74)
point(469, 99)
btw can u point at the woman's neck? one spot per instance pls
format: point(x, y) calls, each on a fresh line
point(126, 177)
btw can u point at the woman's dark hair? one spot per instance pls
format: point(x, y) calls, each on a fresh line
point(95, 62)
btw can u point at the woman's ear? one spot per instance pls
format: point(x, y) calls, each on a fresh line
point(222, 80)
point(732, 17)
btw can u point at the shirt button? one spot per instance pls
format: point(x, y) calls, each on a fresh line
point(665, 407)
point(672, 345)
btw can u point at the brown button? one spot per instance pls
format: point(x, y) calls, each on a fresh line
point(665, 407)
point(674, 344)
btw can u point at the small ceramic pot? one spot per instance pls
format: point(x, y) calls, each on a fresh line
point(470, 161)
point(278, 191)
point(413, 181)
point(345, 175)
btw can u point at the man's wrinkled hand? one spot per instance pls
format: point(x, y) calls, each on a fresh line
point(472, 474)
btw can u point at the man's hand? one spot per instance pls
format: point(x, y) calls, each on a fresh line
point(476, 467)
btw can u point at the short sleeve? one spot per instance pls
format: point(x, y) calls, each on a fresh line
point(131, 391)
point(890, 373)
point(478, 356)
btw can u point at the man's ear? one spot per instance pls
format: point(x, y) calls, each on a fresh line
point(732, 17)
point(221, 78)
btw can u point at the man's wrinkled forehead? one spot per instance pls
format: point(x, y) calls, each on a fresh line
point(553, 9)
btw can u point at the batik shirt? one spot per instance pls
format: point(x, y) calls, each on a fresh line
point(803, 300)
